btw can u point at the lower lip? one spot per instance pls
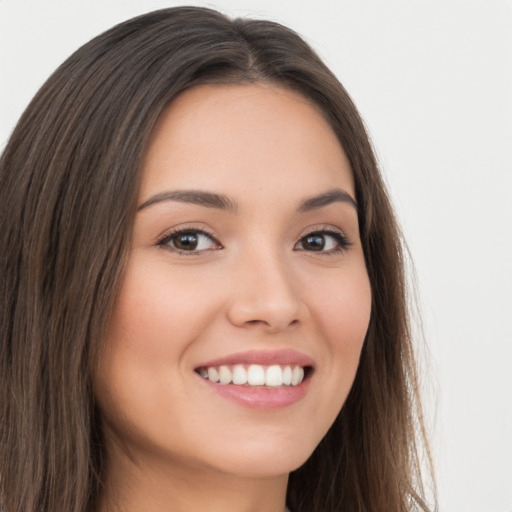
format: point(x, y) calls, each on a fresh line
point(260, 398)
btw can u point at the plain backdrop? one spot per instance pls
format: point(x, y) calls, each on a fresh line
point(433, 81)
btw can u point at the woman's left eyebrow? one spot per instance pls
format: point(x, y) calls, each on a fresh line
point(334, 195)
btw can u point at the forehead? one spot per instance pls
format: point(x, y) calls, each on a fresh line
point(259, 135)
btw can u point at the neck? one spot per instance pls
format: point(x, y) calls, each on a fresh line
point(132, 485)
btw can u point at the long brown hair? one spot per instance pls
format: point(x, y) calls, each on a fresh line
point(68, 189)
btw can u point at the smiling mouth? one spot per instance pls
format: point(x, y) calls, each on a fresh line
point(255, 375)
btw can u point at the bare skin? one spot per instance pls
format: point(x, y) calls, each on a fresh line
point(246, 252)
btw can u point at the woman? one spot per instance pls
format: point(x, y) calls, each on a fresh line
point(203, 303)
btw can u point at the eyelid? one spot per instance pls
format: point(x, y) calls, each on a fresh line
point(343, 240)
point(165, 237)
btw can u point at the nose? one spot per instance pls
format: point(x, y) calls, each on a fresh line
point(265, 295)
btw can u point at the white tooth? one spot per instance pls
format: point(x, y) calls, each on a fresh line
point(213, 375)
point(256, 375)
point(224, 375)
point(239, 375)
point(203, 373)
point(287, 375)
point(297, 375)
point(274, 376)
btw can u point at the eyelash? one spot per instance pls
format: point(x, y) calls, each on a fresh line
point(164, 242)
point(342, 241)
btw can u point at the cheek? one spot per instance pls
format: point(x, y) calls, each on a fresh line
point(151, 326)
point(340, 307)
point(343, 308)
point(156, 314)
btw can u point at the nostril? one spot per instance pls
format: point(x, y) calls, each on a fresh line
point(272, 313)
point(270, 324)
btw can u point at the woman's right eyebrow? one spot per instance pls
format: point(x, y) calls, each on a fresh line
point(199, 197)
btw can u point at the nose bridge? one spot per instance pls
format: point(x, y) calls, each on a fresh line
point(265, 293)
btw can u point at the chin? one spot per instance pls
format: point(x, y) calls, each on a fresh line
point(259, 458)
point(264, 467)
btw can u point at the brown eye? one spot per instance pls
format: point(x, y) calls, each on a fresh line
point(185, 241)
point(314, 242)
point(192, 241)
point(323, 241)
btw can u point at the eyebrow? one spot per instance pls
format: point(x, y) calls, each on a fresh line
point(208, 199)
point(222, 202)
point(335, 195)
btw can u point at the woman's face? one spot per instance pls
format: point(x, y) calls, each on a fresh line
point(246, 265)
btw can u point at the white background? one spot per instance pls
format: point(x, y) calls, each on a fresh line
point(433, 81)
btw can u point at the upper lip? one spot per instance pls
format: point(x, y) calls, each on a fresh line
point(262, 357)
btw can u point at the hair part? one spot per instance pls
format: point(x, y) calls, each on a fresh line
point(69, 180)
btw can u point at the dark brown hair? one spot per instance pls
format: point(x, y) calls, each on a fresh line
point(68, 189)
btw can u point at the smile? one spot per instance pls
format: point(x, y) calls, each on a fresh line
point(254, 375)
point(262, 380)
